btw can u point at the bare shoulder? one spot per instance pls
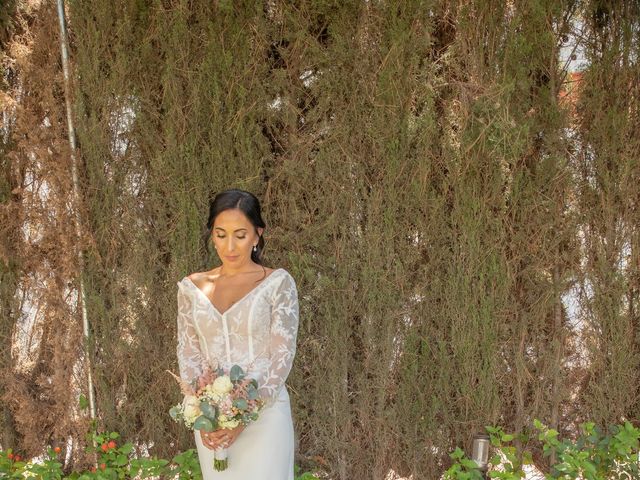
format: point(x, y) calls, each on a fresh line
point(202, 278)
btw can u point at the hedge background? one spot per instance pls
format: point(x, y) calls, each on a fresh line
point(459, 209)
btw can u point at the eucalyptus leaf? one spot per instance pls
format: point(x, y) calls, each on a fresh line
point(203, 423)
point(174, 411)
point(208, 410)
point(252, 393)
point(240, 403)
point(236, 373)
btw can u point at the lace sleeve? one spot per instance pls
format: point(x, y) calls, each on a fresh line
point(282, 340)
point(190, 360)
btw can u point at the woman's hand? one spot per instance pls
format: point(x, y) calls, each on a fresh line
point(220, 438)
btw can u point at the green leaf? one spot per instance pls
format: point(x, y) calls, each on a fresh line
point(240, 403)
point(457, 454)
point(203, 423)
point(468, 464)
point(236, 373)
point(126, 448)
point(84, 403)
point(631, 429)
point(588, 427)
point(589, 468)
point(252, 393)
point(209, 411)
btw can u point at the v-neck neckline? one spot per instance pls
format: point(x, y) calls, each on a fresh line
point(222, 314)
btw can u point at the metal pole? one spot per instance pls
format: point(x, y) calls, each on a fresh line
point(64, 47)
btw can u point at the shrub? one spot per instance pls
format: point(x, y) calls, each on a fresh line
point(114, 462)
point(595, 454)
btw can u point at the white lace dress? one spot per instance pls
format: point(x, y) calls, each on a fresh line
point(258, 332)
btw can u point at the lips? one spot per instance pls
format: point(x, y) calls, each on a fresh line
point(232, 258)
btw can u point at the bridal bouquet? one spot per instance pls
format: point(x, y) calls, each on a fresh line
point(218, 400)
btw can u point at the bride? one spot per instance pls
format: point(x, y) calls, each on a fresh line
point(242, 313)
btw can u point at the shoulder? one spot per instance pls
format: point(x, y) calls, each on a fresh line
point(206, 275)
point(200, 279)
point(269, 271)
point(187, 283)
point(284, 275)
point(283, 284)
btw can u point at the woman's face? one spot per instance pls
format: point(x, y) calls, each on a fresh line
point(234, 237)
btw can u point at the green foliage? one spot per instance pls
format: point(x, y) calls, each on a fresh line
point(299, 475)
point(49, 469)
point(596, 454)
point(593, 455)
point(509, 459)
point(114, 462)
point(118, 461)
point(463, 468)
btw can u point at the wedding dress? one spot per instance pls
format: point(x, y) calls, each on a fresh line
point(258, 332)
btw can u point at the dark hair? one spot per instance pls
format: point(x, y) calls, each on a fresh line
point(244, 201)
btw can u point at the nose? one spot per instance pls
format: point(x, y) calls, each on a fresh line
point(230, 244)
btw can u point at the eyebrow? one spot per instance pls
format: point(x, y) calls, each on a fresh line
point(236, 230)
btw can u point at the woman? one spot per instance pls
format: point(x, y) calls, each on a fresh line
point(242, 313)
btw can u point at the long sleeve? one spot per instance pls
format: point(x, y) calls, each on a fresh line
point(282, 339)
point(190, 358)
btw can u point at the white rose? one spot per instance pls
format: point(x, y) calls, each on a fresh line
point(191, 408)
point(222, 385)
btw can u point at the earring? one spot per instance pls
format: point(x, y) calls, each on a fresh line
point(255, 248)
